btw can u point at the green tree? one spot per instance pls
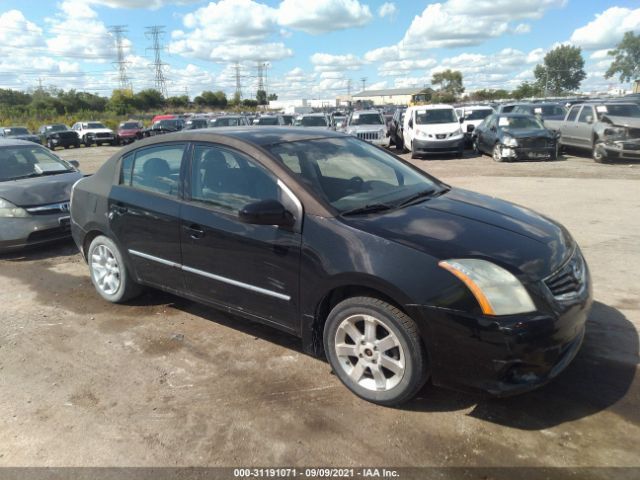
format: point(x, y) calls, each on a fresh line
point(626, 58)
point(526, 90)
point(449, 82)
point(562, 70)
point(272, 97)
point(249, 103)
point(261, 97)
point(149, 99)
point(181, 101)
point(121, 101)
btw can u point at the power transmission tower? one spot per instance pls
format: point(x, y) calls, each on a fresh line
point(349, 87)
point(123, 79)
point(260, 76)
point(155, 32)
point(364, 83)
point(238, 94)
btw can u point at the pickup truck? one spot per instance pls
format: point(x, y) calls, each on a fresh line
point(609, 129)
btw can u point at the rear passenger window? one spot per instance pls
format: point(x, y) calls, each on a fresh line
point(228, 179)
point(157, 169)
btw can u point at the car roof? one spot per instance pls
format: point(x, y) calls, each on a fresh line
point(258, 137)
point(7, 142)
point(432, 106)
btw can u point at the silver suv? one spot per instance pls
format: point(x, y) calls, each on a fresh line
point(368, 125)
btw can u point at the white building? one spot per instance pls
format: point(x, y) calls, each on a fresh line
point(391, 96)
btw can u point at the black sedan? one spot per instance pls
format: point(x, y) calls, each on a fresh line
point(514, 136)
point(393, 275)
point(35, 186)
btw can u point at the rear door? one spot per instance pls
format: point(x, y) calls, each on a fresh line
point(252, 269)
point(144, 212)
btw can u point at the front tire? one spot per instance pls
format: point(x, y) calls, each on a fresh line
point(375, 350)
point(50, 145)
point(497, 154)
point(109, 274)
point(597, 153)
point(413, 153)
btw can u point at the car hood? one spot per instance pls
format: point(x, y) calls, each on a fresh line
point(528, 132)
point(366, 128)
point(43, 190)
point(623, 121)
point(438, 127)
point(129, 130)
point(28, 136)
point(464, 224)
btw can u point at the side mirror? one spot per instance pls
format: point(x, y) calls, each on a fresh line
point(589, 118)
point(266, 212)
point(470, 128)
point(461, 119)
point(75, 163)
point(411, 123)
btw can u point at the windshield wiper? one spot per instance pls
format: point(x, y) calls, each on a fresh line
point(371, 208)
point(416, 196)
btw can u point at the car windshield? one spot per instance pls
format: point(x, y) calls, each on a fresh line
point(519, 123)
point(436, 115)
point(313, 122)
point(56, 128)
point(129, 126)
point(352, 175)
point(623, 110)
point(167, 123)
point(477, 114)
point(549, 110)
point(95, 125)
point(366, 119)
point(25, 162)
point(268, 121)
point(10, 132)
point(227, 122)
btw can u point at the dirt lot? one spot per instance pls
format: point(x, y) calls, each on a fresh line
point(166, 382)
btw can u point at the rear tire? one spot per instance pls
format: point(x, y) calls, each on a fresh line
point(109, 274)
point(399, 145)
point(375, 350)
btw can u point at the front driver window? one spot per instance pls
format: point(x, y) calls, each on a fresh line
point(229, 180)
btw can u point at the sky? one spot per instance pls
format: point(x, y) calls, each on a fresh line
point(313, 49)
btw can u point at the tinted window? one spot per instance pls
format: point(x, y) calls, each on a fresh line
point(313, 122)
point(125, 169)
point(586, 111)
point(477, 114)
point(366, 119)
point(157, 169)
point(623, 110)
point(95, 125)
point(573, 113)
point(228, 179)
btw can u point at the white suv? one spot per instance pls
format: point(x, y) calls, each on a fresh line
point(433, 129)
point(94, 132)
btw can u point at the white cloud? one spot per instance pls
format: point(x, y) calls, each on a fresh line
point(324, 62)
point(17, 31)
point(387, 9)
point(150, 4)
point(522, 28)
point(320, 16)
point(401, 67)
point(600, 54)
point(607, 29)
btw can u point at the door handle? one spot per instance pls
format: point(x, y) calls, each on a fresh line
point(195, 231)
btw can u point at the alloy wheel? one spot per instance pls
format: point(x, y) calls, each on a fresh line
point(105, 269)
point(369, 353)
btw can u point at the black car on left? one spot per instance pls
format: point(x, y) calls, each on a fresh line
point(58, 135)
point(19, 133)
point(514, 136)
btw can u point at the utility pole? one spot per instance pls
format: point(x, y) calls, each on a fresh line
point(155, 32)
point(260, 76)
point(364, 83)
point(349, 87)
point(238, 94)
point(117, 31)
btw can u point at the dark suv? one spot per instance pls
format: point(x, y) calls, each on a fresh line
point(58, 135)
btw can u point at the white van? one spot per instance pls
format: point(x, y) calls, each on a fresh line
point(433, 129)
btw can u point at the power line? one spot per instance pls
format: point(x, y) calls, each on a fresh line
point(117, 31)
point(155, 32)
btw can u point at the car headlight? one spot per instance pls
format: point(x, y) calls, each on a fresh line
point(351, 131)
point(509, 141)
point(9, 210)
point(498, 291)
point(615, 133)
point(421, 134)
point(381, 133)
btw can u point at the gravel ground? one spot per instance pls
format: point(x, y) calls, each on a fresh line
point(166, 382)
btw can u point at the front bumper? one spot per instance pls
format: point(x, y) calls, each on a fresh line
point(507, 355)
point(425, 147)
point(621, 150)
point(523, 153)
point(18, 233)
point(65, 142)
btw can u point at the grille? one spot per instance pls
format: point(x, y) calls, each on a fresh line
point(440, 136)
point(68, 135)
point(62, 207)
point(569, 280)
point(532, 142)
point(368, 135)
point(103, 135)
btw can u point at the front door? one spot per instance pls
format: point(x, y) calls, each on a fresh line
point(252, 269)
point(584, 127)
point(144, 213)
